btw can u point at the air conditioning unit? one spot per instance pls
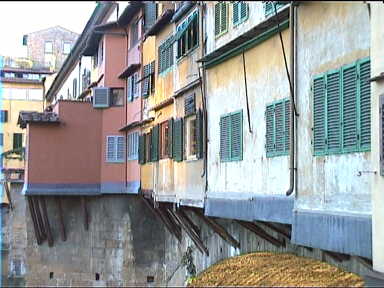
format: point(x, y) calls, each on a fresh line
point(101, 96)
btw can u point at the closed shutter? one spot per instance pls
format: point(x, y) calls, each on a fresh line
point(178, 149)
point(170, 138)
point(152, 76)
point(200, 134)
point(243, 10)
point(142, 149)
point(237, 136)
point(319, 114)
point(287, 129)
point(150, 14)
point(189, 105)
point(155, 143)
point(146, 70)
point(111, 152)
point(217, 19)
point(279, 127)
point(350, 132)
point(120, 148)
point(269, 135)
point(365, 104)
point(268, 7)
point(223, 16)
point(148, 142)
point(236, 10)
point(333, 111)
point(101, 97)
point(129, 89)
point(225, 138)
point(3, 116)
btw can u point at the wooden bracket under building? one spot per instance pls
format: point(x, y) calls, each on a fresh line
point(46, 221)
point(85, 212)
point(61, 219)
point(275, 227)
point(261, 233)
point(39, 218)
point(339, 257)
point(171, 226)
point(220, 230)
point(188, 228)
point(34, 220)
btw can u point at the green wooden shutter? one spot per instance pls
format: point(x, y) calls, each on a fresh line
point(178, 149)
point(237, 136)
point(279, 127)
point(350, 133)
point(152, 76)
point(225, 138)
point(149, 139)
point(170, 138)
point(145, 91)
point(268, 7)
point(287, 128)
point(142, 149)
point(217, 19)
point(235, 14)
point(200, 134)
point(150, 14)
point(319, 115)
point(333, 111)
point(155, 143)
point(223, 16)
point(365, 104)
point(243, 10)
point(269, 135)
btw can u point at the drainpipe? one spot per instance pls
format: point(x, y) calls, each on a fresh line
point(292, 102)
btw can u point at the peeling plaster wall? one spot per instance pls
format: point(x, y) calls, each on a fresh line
point(329, 36)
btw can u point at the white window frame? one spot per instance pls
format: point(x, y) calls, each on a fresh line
point(135, 86)
point(115, 158)
point(133, 146)
point(45, 47)
point(69, 47)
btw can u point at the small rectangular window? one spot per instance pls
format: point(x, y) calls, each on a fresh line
point(48, 47)
point(240, 12)
point(165, 54)
point(66, 48)
point(134, 33)
point(148, 139)
point(133, 146)
point(164, 136)
point(115, 149)
point(187, 35)
point(117, 97)
point(1, 139)
point(191, 136)
point(17, 140)
point(3, 116)
point(221, 18)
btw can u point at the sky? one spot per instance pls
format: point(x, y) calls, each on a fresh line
point(19, 18)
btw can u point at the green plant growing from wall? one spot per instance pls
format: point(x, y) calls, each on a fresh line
point(187, 261)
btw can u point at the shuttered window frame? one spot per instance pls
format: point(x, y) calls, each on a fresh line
point(116, 148)
point(166, 55)
point(342, 149)
point(285, 124)
point(269, 7)
point(237, 12)
point(231, 116)
point(218, 13)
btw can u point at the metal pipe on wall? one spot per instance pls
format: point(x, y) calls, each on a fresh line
point(292, 101)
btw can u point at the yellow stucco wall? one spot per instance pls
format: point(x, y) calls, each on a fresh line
point(10, 127)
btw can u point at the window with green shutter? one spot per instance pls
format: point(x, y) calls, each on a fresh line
point(342, 110)
point(178, 133)
point(165, 54)
point(239, 12)
point(277, 128)
point(142, 149)
point(231, 137)
point(221, 18)
point(187, 34)
point(155, 143)
point(269, 8)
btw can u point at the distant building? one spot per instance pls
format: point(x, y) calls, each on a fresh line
point(50, 46)
point(22, 89)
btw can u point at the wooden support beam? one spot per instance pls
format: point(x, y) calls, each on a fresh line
point(39, 218)
point(261, 233)
point(365, 261)
point(339, 257)
point(85, 213)
point(219, 229)
point(276, 228)
point(46, 221)
point(34, 220)
point(193, 225)
point(173, 229)
point(61, 219)
point(175, 226)
point(191, 233)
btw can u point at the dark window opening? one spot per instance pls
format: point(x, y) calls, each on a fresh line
point(117, 97)
point(150, 279)
point(50, 275)
point(97, 276)
point(17, 140)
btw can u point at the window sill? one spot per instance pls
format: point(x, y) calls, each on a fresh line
point(191, 159)
point(277, 154)
point(220, 34)
point(346, 151)
point(235, 25)
point(115, 162)
point(132, 159)
point(163, 73)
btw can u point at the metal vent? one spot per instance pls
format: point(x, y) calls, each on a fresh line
point(101, 97)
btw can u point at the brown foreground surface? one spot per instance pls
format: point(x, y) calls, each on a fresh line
point(274, 269)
